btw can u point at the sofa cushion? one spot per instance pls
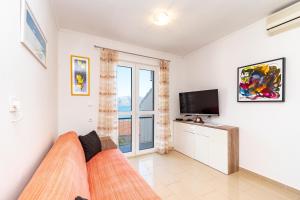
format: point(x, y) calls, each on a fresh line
point(62, 174)
point(110, 177)
point(91, 144)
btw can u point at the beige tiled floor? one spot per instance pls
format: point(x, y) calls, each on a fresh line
point(178, 177)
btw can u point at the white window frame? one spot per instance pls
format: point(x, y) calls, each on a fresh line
point(135, 112)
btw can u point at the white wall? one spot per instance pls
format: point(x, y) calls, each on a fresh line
point(269, 132)
point(22, 145)
point(74, 112)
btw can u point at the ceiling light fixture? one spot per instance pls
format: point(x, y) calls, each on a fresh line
point(161, 18)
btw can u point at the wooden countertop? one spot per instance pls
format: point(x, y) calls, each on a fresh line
point(221, 127)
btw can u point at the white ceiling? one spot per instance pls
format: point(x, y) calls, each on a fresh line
point(194, 22)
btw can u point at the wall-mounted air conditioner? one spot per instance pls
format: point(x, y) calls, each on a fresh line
point(284, 19)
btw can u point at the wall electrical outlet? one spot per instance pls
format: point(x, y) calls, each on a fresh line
point(14, 108)
point(14, 105)
point(90, 104)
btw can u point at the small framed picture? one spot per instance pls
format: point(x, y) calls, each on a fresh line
point(80, 76)
point(32, 36)
point(262, 82)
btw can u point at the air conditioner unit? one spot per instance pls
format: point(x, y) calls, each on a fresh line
point(284, 19)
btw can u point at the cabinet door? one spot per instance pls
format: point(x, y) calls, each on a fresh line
point(218, 150)
point(202, 148)
point(189, 144)
point(178, 136)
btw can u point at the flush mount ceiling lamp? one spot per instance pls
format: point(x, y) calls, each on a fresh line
point(161, 18)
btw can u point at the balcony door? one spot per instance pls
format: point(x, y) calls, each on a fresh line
point(136, 96)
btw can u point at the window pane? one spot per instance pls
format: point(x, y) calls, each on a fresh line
point(125, 133)
point(146, 136)
point(124, 86)
point(146, 91)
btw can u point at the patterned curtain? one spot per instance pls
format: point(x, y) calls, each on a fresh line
point(108, 116)
point(164, 133)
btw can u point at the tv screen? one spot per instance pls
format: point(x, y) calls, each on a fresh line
point(204, 102)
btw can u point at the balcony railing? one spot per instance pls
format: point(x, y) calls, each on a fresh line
point(146, 135)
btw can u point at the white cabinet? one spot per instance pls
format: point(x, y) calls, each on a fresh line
point(202, 148)
point(213, 146)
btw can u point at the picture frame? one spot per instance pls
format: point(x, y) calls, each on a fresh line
point(80, 76)
point(32, 36)
point(262, 82)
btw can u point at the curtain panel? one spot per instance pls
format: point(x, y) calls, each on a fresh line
point(164, 132)
point(108, 116)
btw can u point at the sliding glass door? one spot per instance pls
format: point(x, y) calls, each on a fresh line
point(136, 93)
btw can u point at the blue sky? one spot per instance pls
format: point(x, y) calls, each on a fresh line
point(124, 84)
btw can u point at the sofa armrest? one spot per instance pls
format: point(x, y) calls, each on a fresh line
point(107, 143)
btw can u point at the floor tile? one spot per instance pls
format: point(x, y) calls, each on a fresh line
point(177, 177)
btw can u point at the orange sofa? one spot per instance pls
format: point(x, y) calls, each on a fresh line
point(64, 174)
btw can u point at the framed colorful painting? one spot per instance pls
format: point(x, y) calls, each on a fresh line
point(80, 76)
point(262, 82)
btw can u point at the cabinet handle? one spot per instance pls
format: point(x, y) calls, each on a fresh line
point(205, 136)
point(190, 132)
point(202, 135)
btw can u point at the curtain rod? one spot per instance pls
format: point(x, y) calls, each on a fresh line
point(135, 54)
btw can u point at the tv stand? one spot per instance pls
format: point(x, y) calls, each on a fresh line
point(215, 146)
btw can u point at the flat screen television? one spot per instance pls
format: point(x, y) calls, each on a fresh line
point(204, 102)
